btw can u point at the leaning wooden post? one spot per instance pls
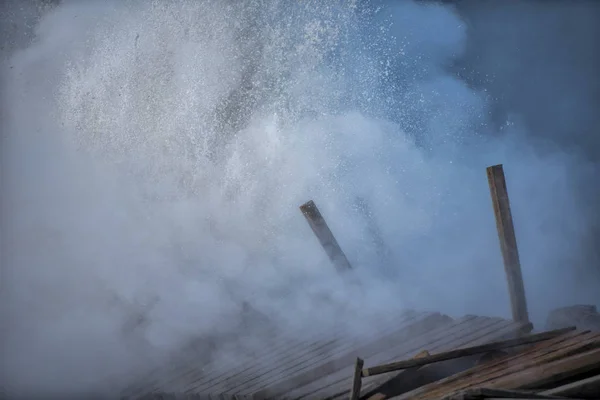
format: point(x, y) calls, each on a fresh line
point(357, 379)
point(323, 233)
point(508, 243)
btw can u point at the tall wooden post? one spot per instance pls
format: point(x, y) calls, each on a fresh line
point(508, 243)
point(325, 236)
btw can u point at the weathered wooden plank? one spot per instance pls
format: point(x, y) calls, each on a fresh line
point(284, 350)
point(507, 366)
point(470, 351)
point(556, 371)
point(508, 242)
point(510, 377)
point(486, 393)
point(497, 373)
point(325, 236)
point(280, 363)
point(517, 398)
point(470, 330)
point(356, 379)
point(274, 387)
point(280, 368)
point(439, 336)
point(580, 389)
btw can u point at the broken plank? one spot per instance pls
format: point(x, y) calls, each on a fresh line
point(469, 351)
point(513, 398)
point(497, 374)
point(585, 387)
point(486, 393)
point(512, 366)
point(555, 371)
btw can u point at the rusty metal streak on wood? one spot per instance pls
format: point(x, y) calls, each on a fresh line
point(325, 236)
point(508, 242)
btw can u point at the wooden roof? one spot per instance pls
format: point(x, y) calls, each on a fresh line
point(565, 365)
point(467, 331)
point(322, 368)
point(285, 360)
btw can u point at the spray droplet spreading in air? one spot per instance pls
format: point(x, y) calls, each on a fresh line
point(158, 153)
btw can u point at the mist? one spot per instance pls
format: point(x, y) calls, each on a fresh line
point(154, 155)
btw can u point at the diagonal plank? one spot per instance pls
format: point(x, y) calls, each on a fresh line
point(497, 373)
point(486, 393)
point(469, 331)
point(584, 387)
point(469, 351)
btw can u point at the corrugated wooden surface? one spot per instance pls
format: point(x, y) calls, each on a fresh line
point(326, 376)
point(465, 332)
point(534, 368)
point(286, 365)
point(289, 363)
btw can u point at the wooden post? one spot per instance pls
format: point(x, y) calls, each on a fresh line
point(326, 238)
point(357, 380)
point(508, 243)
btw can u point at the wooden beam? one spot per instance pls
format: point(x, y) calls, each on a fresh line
point(508, 243)
point(544, 375)
point(469, 351)
point(485, 393)
point(357, 379)
point(514, 398)
point(325, 236)
point(584, 388)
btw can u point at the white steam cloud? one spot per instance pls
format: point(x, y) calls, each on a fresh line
point(155, 155)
